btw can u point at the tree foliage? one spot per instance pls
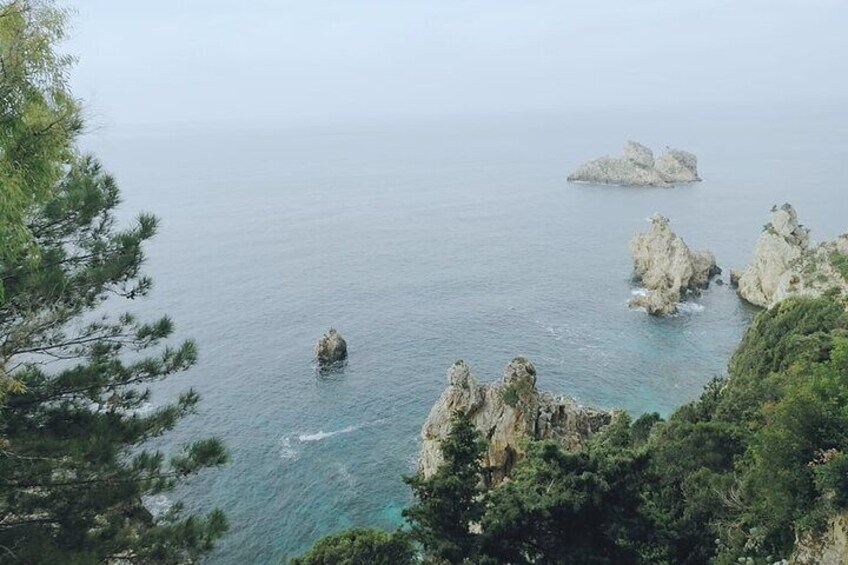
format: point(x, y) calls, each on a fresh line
point(360, 546)
point(39, 118)
point(74, 404)
point(449, 501)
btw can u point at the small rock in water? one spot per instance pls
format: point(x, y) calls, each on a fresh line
point(331, 348)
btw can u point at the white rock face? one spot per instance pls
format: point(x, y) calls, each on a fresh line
point(678, 166)
point(829, 547)
point(331, 348)
point(506, 413)
point(639, 154)
point(786, 263)
point(667, 268)
point(638, 168)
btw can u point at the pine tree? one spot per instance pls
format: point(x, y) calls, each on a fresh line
point(73, 467)
point(448, 502)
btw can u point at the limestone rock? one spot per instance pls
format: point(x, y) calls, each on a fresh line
point(667, 268)
point(331, 348)
point(506, 413)
point(786, 263)
point(639, 154)
point(829, 547)
point(678, 166)
point(638, 168)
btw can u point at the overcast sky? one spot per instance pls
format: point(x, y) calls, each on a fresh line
point(164, 61)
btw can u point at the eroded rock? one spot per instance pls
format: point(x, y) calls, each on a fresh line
point(331, 348)
point(667, 268)
point(828, 547)
point(786, 263)
point(638, 168)
point(506, 413)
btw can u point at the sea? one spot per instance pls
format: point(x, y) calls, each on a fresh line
point(424, 241)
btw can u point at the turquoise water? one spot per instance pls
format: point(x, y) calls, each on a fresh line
point(425, 242)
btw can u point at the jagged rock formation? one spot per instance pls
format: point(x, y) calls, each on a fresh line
point(331, 348)
point(506, 413)
point(829, 547)
point(786, 263)
point(667, 268)
point(638, 168)
point(678, 166)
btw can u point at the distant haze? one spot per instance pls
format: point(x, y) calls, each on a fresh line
point(261, 61)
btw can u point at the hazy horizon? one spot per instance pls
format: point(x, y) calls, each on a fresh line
point(268, 62)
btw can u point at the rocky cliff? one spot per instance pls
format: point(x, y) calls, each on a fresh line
point(637, 167)
point(667, 268)
point(786, 263)
point(829, 547)
point(506, 413)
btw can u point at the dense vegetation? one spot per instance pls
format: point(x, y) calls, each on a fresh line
point(762, 454)
point(73, 397)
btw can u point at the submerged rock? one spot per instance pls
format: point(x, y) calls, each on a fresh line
point(638, 168)
point(331, 348)
point(506, 413)
point(667, 268)
point(786, 263)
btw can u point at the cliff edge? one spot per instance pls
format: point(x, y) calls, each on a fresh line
point(506, 413)
point(786, 263)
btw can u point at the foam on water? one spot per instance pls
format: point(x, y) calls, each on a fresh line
point(287, 451)
point(321, 435)
point(690, 307)
point(289, 444)
point(158, 504)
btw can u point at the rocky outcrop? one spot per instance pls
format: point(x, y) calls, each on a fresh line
point(829, 547)
point(506, 413)
point(667, 268)
point(331, 348)
point(638, 168)
point(786, 263)
point(678, 166)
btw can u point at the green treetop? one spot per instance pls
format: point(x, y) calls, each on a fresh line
point(74, 412)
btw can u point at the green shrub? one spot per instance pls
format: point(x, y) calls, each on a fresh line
point(361, 546)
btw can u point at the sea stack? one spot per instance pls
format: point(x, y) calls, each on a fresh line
point(637, 167)
point(506, 413)
point(667, 268)
point(331, 348)
point(787, 263)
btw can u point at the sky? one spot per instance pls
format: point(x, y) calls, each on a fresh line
point(255, 61)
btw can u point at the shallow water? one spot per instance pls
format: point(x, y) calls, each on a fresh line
point(425, 242)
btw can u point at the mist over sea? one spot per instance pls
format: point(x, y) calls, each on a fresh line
point(424, 242)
